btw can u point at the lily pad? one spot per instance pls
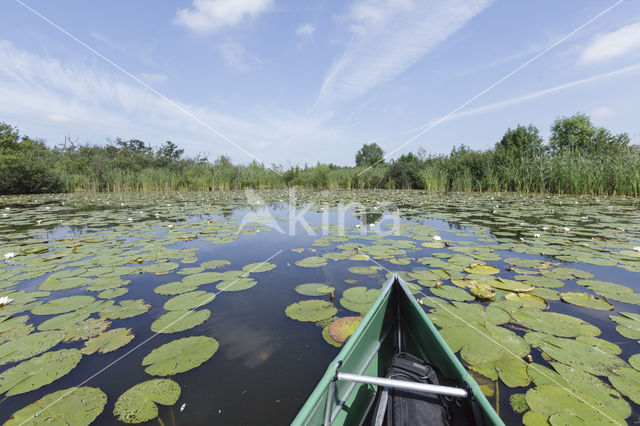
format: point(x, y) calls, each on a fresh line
point(311, 310)
point(452, 293)
point(312, 262)
point(56, 284)
point(82, 330)
point(586, 300)
point(191, 300)
point(125, 309)
point(177, 287)
point(511, 285)
point(176, 321)
point(527, 300)
point(108, 342)
point(62, 305)
point(237, 284)
point(482, 270)
point(214, 264)
point(39, 371)
point(627, 382)
point(482, 291)
point(342, 328)
point(61, 321)
point(628, 325)
point(576, 354)
point(112, 293)
point(258, 267)
point(139, 404)
point(29, 345)
point(364, 270)
point(327, 337)
point(554, 323)
point(180, 355)
point(359, 299)
point(314, 289)
point(73, 406)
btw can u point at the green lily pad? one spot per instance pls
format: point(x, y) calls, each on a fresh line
point(342, 328)
point(518, 402)
point(575, 394)
point(62, 305)
point(191, 300)
point(108, 342)
point(177, 287)
point(312, 262)
point(628, 325)
point(627, 382)
point(82, 330)
point(314, 289)
point(12, 328)
point(449, 292)
point(576, 354)
point(112, 293)
point(125, 309)
point(359, 299)
point(511, 285)
point(201, 279)
point(73, 406)
point(364, 270)
point(482, 291)
point(586, 300)
point(161, 268)
point(553, 323)
point(634, 361)
point(180, 355)
point(176, 321)
point(29, 345)
point(61, 321)
point(139, 404)
point(528, 300)
point(56, 284)
point(258, 267)
point(39, 371)
point(327, 337)
point(482, 270)
point(237, 284)
point(311, 310)
point(214, 264)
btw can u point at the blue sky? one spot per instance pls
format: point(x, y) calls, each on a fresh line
point(295, 82)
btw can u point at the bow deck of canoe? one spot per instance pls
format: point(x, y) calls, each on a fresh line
point(345, 394)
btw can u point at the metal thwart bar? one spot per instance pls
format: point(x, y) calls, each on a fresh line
point(404, 385)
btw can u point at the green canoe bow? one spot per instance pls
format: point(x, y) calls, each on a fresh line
point(395, 315)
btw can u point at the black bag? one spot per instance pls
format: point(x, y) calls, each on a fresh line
point(400, 407)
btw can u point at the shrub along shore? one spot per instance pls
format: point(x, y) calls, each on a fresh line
point(579, 158)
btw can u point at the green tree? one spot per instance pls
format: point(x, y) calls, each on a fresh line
point(369, 155)
point(578, 134)
point(169, 151)
point(9, 138)
point(404, 172)
point(522, 142)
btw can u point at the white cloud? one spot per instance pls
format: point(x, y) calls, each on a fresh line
point(615, 44)
point(206, 16)
point(305, 30)
point(235, 55)
point(153, 78)
point(51, 98)
point(390, 36)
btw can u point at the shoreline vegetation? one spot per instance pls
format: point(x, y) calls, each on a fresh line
point(579, 158)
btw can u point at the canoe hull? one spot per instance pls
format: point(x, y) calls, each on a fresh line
point(368, 352)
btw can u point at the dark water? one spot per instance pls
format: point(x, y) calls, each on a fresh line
point(267, 364)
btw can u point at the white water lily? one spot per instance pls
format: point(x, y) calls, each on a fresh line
point(536, 235)
point(5, 300)
point(437, 238)
point(170, 226)
point(372, 225)
point(544, 228)
point(636, 249)
point(4, 215)
point(357, 225)
point(566, 229)
point(130, 219)
point(9, 255)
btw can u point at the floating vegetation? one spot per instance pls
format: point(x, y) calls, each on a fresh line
point(74, 406)
point(311, 310)
point(510, 279)
point(180, 355)
point(139, 404)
